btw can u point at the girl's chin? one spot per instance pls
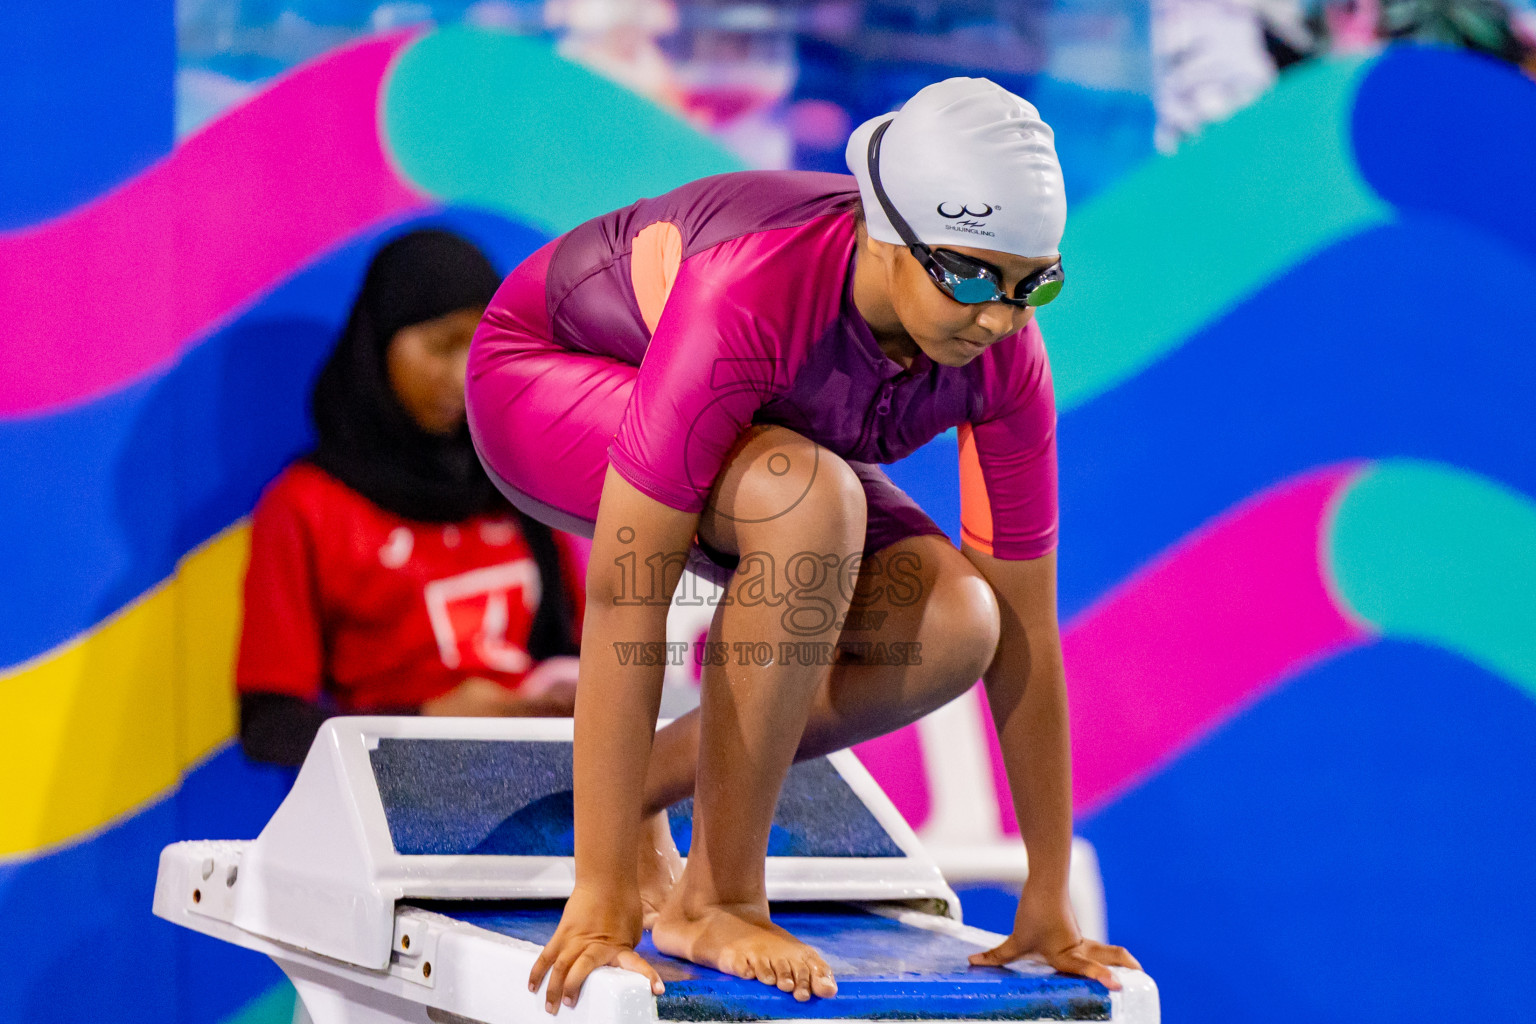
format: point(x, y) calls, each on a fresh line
point(955, 351)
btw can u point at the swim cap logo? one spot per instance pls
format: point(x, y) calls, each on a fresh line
point(965, 211)
point(970, 227)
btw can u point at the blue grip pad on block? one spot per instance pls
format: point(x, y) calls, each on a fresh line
point(490, 797)
point(885, 970)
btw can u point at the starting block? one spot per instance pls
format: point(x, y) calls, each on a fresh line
point(419, 864)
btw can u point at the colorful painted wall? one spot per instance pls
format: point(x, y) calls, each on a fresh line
point(160, 338)
point(1298, 570)
point(1299, 495)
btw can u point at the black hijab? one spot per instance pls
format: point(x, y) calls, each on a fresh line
point(370, 443)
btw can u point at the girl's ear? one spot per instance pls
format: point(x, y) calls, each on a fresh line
point(885, 252)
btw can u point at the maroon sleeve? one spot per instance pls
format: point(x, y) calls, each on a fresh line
point(281, 645)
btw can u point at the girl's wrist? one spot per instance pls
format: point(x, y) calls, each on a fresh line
point(1045, 895)
point(603, 888)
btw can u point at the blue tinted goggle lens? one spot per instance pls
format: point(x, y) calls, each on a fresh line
point(975, 289)
point(972, 282)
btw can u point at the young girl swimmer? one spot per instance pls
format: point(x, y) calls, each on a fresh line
point(714, 375)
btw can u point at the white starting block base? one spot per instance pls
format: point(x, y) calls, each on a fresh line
point(385, 889)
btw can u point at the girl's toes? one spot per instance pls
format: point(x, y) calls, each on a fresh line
point(823, 985)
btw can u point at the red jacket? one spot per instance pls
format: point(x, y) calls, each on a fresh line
point(378, 612)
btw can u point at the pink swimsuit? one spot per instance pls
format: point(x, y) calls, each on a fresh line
point(652, 336)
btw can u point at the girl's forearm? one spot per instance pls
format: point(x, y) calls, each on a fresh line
point(1026, 687)
point(617, 697)
point(1027, 690)
point(616, 708)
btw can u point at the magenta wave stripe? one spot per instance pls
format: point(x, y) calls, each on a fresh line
point(104, 294)
point(1215, 623)
point(1210, 626)
point(896, 761)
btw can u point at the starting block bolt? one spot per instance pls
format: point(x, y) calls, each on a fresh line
point(426, 970)
point(234, 873)
point(405, 942)
point(197, 895)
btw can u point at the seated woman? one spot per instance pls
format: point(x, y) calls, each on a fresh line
point(387, 574)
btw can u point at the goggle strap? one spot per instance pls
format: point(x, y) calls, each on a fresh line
point(897, 221)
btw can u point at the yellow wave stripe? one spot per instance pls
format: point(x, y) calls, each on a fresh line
point(108, 722)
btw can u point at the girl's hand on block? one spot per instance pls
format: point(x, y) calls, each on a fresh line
point(1046, 930)
point(594, 931)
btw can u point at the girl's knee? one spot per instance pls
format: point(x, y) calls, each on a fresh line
point(777, 484)
point(970, 621)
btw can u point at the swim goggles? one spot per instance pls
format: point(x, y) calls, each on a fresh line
point(963, 278)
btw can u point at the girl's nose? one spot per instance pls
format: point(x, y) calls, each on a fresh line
point(997, 319)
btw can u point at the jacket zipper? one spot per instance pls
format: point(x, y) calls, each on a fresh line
point(882, 408)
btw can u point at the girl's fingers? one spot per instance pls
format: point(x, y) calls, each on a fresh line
point(632, 961)
point(1088, 958)
point(584, 965)
point(1115, 956)
point(556, 987)
point(1076, 963)
point(570, 971)
point(540, 968)
point(998, 955)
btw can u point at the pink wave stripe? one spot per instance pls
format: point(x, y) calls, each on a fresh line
point(896, 762)
point(104, 294)
point(1007, 820)
point(1214, 624)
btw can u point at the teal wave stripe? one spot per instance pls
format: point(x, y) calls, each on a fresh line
point(1188, 237)
point(274, 1006)
point(1438, 554)
point(504, 123)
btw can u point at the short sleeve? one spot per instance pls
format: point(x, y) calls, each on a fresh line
point(281, 645)
point(1008, 474)
point(734, 330)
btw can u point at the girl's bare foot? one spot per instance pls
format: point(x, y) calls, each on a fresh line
point(742, 941)
point(659, 869)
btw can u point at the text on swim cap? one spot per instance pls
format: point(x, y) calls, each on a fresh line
point(969, 227)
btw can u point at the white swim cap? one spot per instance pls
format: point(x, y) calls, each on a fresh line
point(965, 163)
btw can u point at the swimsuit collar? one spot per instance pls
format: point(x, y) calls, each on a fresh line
point(868, 343)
